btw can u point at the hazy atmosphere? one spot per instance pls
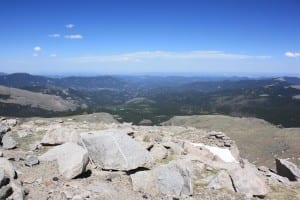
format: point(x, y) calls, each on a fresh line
point(127, 37)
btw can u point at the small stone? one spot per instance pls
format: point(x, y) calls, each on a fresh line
point(208, 168)
point(35, 146)
point(31, 160)
point(23, 133)
point(55, 178)
point(227, 143)
point(26, 191)
point(158, 152)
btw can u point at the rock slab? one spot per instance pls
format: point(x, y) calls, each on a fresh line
point(115, 150)
point(59, 135)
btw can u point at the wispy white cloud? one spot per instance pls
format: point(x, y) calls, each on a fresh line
point(37, 48)
point(70, 25)
point(292, 54)
point(53, 55)
point(167, 55)
point(74, 37)
point(54, 35)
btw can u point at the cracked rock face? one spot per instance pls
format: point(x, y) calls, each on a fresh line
point(247, 180)
point(173, 179)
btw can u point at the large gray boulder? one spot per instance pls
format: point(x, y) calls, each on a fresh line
point(287, 169)
point(173, 179)
point(247, 181)
point(115, 150)
point(72, 159)
point(8, 142)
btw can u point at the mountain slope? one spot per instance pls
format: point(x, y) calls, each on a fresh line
point(35, 100)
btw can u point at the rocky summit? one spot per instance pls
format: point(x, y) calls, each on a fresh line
point(86, 157)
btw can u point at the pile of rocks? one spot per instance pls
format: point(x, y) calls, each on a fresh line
point(122, 161)
point(218, 139)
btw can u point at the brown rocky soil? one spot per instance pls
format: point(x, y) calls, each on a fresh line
point(182, 165)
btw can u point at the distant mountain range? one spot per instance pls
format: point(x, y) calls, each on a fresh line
point(134, 98)
point(21, 80)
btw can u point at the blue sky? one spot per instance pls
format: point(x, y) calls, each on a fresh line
point(116, 37)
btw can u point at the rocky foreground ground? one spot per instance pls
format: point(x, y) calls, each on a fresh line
point(95, 157)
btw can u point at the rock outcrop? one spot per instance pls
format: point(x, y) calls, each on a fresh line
point(91, 160)
point(287, 169)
